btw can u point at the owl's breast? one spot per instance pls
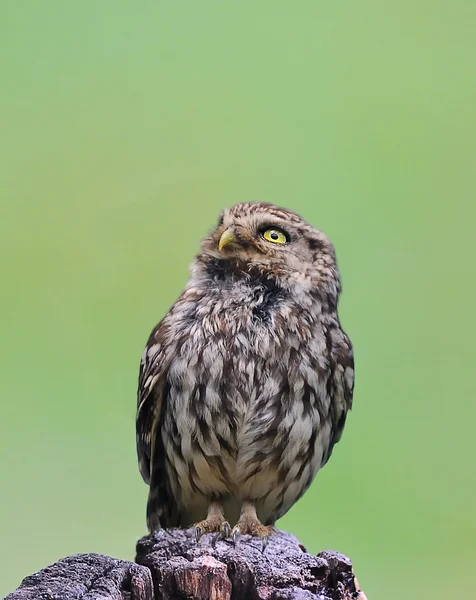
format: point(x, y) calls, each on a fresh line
point(226, 347)
point(240, 338)
point(242, 398)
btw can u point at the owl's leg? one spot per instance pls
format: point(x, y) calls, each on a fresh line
point(250, 524)
point(215, 522)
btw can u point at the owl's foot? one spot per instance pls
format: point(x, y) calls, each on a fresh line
point(214, 523)
point(251, 525)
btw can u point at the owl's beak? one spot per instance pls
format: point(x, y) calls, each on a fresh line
point(228, 237)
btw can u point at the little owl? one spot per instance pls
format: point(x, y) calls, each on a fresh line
point(245, 384)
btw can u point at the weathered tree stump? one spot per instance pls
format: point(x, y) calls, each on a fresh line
point(170, 565)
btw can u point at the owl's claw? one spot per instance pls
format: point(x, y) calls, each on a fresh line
point(214, 523)
point(251, 525)
point(198, 532)
point(224, 533)
point(235, 534)
point(225, 529)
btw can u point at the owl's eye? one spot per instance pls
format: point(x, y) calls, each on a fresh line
point(276, 236)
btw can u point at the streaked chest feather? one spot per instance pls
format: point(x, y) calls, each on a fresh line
point(248, 410)
point(246, 341)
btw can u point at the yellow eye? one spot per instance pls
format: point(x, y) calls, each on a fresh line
point(276, 236)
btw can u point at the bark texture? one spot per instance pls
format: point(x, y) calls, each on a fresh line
point(170, 565)
point(87, 577)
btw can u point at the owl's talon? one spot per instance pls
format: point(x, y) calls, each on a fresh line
point(225, 529)
point(224, 533)
point(198, 531)
point(251, 525)
point(235, 534)
point(214, 523)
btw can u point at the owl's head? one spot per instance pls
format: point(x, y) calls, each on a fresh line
point(257, 239)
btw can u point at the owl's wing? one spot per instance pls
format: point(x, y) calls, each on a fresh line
point(341, 383)
point(162, 508)
point(152, 375)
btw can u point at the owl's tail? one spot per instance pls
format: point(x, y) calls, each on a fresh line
point(162, 507)
point(153, 512)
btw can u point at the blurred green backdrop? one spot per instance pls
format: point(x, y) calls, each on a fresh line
point(125, 128)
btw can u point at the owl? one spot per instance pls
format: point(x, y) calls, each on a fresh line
point(245, 384)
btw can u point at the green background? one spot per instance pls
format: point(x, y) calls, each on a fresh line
point(125, 128)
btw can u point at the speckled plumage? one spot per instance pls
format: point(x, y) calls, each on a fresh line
point(244, 386)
